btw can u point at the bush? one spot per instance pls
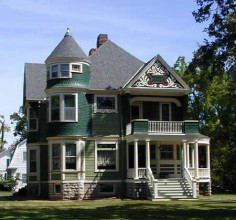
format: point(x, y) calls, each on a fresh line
point(9, 184)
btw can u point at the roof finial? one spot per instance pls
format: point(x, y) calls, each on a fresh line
point(68, 32)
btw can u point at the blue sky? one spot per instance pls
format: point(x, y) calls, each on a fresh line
point(30, 30)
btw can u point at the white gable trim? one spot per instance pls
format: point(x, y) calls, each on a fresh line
point(141, 75)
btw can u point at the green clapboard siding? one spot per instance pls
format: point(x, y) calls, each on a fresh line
point(71, 176)
point(56, 176)
point(78, 80)
point(106, 124)
point(90, 164)
point(191, 127)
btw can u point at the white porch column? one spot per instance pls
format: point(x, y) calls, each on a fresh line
point(147, 154)
point(187, 155)
point(184, 154)
point(196, 158)
point(136, 159)
point(208, 156)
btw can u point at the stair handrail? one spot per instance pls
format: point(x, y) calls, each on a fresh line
point(153, 181)
point(191, 181)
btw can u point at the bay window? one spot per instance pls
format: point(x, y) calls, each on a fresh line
point(63, 107)
point(106, 156)
point(70, 157)
point(56, 157)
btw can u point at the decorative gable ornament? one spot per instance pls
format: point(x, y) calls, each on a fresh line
point(157, 76)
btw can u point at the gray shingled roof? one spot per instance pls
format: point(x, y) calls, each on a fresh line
point(34, 81)
point(112, 67)
point(68, 47)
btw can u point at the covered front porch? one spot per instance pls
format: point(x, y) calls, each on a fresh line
point(158, 158)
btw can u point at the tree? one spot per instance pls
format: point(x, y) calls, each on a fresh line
point(20, 122)
point(3, 128)
point(212, 101)
point(220, 49)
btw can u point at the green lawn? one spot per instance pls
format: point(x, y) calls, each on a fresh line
point(214, 207)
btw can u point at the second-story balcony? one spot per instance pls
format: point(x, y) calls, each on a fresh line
point(144, 126)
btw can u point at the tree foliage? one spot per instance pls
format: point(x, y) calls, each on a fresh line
point(212, 101)
point(220, 49)
point(20, 122)
point(3, 129)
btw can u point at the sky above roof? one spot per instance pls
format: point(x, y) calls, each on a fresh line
point(30, 30)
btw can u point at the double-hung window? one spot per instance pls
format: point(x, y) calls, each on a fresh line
point(167, 152)
point(105, 103)
point(106, 156)
point(32, 120)
point(56, 156)
point(70, 156)
point(32, 161)
point(63, 107)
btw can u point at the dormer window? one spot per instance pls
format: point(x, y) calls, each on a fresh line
point(63, 70)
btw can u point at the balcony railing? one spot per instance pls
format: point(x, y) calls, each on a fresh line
point(144, 126)
point(165, 126)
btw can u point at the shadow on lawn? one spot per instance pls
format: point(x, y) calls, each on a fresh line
point(126, 209)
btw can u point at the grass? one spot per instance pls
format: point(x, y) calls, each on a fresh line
point(213, 207)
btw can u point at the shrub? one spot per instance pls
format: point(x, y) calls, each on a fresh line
point(9, 184)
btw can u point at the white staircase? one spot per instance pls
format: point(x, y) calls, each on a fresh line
point(176, 188)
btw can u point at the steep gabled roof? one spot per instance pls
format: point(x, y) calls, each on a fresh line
point(34, 81)
point(112, 67)
point(68, 47)
point(156, 74)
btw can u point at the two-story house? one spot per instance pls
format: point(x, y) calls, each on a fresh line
point(108, 124)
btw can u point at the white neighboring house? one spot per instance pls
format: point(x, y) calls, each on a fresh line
point(17, 166)
point(5, 157)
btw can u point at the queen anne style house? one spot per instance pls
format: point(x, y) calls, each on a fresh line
point(109, 124)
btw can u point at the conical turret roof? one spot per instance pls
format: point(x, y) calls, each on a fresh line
point(68, 47)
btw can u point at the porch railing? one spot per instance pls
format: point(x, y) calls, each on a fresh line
point(203, 173)
point(165, 126)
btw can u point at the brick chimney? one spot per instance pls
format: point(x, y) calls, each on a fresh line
point(92, 51)
point(102, 38)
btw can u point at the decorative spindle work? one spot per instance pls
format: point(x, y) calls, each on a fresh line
point(157, 76)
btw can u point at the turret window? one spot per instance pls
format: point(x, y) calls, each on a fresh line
point(63, 107)
point(63, 70)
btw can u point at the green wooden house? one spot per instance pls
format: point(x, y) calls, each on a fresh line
point(109, 125)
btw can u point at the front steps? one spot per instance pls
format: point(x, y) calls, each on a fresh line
point(175, 188)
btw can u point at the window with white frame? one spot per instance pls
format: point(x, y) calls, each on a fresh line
point(63, 70)
point(105, 103)
point(56, 156)
point(70, 156)
point(63, 107)
point(165, 111)
point(32, 161)
point(167, 152)
point(106, 156)
point(57, 189)
point(32, 120)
